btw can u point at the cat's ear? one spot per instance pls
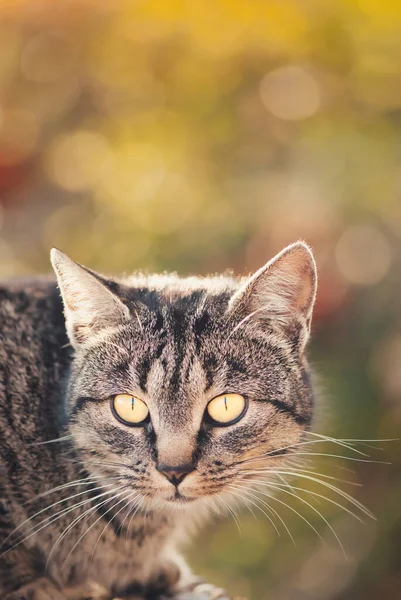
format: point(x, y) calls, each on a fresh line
point(283, 292)
point(89, 306)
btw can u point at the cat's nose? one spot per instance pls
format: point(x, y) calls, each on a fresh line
point(175, 474)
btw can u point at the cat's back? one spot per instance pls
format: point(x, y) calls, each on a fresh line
point(30, 313)
point(34, 353)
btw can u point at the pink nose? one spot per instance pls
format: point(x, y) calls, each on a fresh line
point(175, 474)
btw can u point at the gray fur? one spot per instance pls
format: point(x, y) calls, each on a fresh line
point(175, 343)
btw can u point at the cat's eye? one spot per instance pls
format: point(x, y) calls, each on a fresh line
point(129, 410)
point(226, 409)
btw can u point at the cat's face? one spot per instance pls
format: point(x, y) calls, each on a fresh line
point(182, 389)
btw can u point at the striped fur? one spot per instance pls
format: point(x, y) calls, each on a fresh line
point(175, 343)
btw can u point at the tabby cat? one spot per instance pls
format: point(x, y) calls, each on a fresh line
point(131, 414)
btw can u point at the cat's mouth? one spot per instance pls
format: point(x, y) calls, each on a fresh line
point(180, 498)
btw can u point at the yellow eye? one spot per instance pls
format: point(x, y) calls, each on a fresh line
point(129, 410)
point(226, 409)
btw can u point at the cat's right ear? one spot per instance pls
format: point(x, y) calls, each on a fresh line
point(89, 306)
point(282, 292)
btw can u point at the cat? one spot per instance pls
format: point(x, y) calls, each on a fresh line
point(130, 408)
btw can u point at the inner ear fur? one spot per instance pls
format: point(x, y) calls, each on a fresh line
point(283, 291)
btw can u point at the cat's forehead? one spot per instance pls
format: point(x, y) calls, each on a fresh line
point(172, 302)
point(186, 351)
point(182, 344)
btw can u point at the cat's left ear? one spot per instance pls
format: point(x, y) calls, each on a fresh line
point(89, 306)
point(282, 292)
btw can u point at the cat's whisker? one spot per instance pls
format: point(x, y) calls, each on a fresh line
point(129, 510)
point(246, 496)
point(50, 519)
point(135, 508)
point(329, 486)
point(130, 492)
point(305, 471)
point(214, 505)
point(245, 490)
point(302, 462)
point(99, 463)
point(220, 511)
point(293, 510)
point(343, 457)
point(315, 494)
point(68, 345)
point(286, 483)
point(338, 442)
point(237, 505)
point(76, 482)
point(60, 439)
point(42, 511)
point(232, 512)
point(66, 499)
point(245, 501)
point(69, 527)
point(208, 505)
point(139, 506)
point(264, 457)
point(276, 452)
point(286, 491)
point(347, 443)
point(354, 441)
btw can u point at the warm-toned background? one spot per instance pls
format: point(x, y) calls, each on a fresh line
point(200, 136)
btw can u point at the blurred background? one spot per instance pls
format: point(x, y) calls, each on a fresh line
point(198, 137)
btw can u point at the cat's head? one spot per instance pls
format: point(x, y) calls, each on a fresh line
point(183, 388)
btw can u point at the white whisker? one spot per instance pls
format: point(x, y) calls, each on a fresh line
point(76, 482)
point(342, 457)
point(135, 508)
point(245, 499)
point(60, 439)
point(280, 488)
point(293, 510)
point(50, 519)
point(69, 527)
point(231, 511)
point(270, 508)
point(317, 495)
point(98, 519)
point(329, 486)
point(300, 470)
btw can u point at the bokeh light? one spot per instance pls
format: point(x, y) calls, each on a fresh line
point(77, 161)
point(19, 132)
point(363, 254)
point(290, 93)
